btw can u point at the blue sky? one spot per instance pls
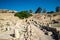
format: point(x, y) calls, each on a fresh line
point(20, 5)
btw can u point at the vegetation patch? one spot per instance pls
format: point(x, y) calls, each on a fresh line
point(23, 14)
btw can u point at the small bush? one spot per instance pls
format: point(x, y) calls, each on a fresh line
point(51, 12)
point(23, 14)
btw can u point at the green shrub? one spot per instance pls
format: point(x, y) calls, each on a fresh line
point(23, 14)
point(51, 12)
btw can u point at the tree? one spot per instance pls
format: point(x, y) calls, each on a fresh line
point(23, 14)
point(30, 11)
point(57, 9)
point(38, 10)
point(44, 11)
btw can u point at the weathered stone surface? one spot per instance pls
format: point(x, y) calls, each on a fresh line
point(26, 29)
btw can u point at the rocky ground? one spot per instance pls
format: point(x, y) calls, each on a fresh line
point(36, 27)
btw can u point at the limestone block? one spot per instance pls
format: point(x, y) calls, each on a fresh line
point(16, 33)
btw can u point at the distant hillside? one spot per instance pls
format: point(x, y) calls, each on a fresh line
point(7, 11)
